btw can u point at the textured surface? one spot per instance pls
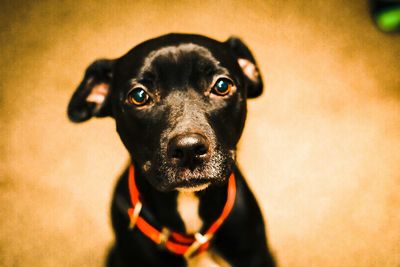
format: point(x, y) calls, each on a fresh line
point(321, 147)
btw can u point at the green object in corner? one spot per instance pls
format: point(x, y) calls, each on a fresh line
point(389, 20)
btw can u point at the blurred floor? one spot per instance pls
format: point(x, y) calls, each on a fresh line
point(321, 147)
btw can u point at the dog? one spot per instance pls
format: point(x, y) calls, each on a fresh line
point(179, 104)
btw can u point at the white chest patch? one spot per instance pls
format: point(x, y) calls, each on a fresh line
point(188, 209)
point(207, 259)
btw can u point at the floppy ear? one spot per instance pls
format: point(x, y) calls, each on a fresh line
point(248, 65)
point(91, 98)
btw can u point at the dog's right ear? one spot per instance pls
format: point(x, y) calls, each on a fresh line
point(91, 98)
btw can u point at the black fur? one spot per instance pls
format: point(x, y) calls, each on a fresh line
point(178, 72)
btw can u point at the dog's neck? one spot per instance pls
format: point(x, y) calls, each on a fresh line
point(184, 212)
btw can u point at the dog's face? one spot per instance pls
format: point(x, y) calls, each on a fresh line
point(179, 102)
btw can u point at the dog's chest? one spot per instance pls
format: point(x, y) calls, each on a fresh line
point(188, 209)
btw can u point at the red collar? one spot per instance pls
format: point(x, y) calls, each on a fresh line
point(176, 243)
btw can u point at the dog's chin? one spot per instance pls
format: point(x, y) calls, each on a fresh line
point(189, 184)
point(185, 180)
point(195, 188)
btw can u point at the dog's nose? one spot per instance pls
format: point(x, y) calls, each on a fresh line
point(188, 149)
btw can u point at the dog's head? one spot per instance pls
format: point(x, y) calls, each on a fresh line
point(179, 102)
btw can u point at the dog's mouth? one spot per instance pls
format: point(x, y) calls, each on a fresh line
point(191, 185)
point(185, 175)
point(215, 171)
point(191, 180)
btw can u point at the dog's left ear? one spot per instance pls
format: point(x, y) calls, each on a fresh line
point(92, 97)
point(248, 65)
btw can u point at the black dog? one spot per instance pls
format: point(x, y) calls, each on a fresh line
point(179, 103)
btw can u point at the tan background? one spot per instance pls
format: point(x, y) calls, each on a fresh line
point(321, 148)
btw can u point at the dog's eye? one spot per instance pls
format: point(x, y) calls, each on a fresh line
point(138, 97)
point(222, 86)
